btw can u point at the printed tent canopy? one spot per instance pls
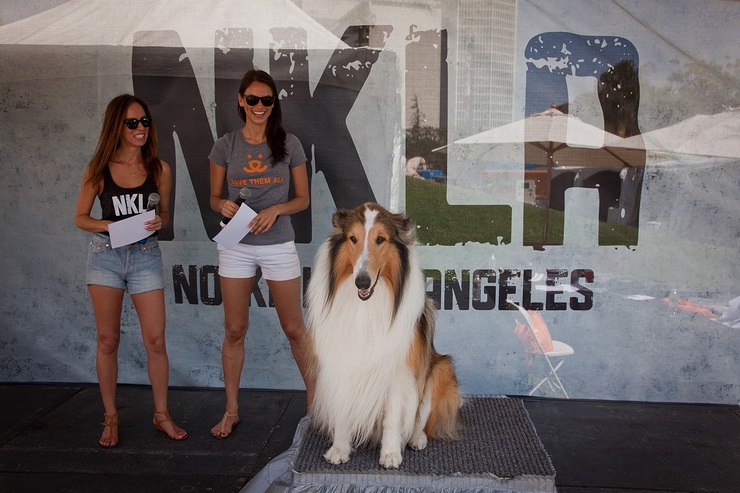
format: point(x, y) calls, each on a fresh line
point(703, 135)
point(113, 23)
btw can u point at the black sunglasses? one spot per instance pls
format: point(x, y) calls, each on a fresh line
point(133, 123)
point(252, 100)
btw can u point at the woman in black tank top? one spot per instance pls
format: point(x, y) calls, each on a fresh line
point(123, 173)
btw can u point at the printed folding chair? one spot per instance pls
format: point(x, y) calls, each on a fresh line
point(537, 342)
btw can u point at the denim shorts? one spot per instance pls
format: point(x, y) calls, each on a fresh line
point(136, 268)
point(277, 262)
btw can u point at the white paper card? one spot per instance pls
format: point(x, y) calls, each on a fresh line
point(130, 230)
point(237, 228)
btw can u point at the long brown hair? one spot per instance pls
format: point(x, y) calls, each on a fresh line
point(110, 139)
point(275, 131)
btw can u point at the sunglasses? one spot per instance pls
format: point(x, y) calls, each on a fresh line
point(133, 123)
point(252, 100)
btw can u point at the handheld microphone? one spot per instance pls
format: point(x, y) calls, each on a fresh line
point(153, 201)
point(244, 194)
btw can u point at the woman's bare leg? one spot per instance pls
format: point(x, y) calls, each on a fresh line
point(107, 303)
point(287, 297)
point(236, 293)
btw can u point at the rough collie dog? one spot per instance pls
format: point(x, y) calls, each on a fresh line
point(378, 376)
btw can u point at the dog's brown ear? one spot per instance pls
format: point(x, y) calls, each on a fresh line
point(406, 228)
point(339, 219)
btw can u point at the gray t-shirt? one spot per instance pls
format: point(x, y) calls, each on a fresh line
point(249, 165)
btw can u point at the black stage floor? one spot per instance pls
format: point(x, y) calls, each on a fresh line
point(49, 433)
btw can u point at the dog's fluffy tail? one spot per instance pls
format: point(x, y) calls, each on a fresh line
point(443, 422)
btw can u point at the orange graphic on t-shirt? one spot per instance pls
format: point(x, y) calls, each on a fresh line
point(255, 165)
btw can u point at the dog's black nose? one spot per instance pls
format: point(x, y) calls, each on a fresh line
point(363, 281)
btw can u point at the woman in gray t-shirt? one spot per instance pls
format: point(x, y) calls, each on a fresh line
point(263, 159)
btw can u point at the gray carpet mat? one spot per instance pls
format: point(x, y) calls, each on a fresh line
point(499, 451)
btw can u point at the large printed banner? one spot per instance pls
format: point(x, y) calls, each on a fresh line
point(572, 166)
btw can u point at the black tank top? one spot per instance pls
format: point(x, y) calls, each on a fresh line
point(118, 203)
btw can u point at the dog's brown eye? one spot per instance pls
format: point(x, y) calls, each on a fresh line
point(379, 240)
point(353, 239)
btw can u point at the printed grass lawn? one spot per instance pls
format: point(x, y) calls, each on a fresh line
point(439, 223)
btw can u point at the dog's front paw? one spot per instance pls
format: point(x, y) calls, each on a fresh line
point(419, 441)
point(390, 460)
point(337, 455)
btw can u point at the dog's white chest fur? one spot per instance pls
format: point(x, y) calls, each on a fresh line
point(362, 358)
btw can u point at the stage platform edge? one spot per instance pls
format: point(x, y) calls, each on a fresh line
point(499, 452)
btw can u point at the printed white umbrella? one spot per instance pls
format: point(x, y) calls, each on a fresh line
point(555, 139)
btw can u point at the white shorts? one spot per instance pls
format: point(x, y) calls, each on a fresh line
point(278, 262)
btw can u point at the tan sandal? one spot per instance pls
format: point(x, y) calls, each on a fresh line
point(111, 441)
point(222, 434)
point(180, 434)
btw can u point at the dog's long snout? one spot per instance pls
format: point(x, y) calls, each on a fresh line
point(363, 281)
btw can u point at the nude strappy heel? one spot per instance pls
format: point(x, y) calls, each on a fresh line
point(224, 420)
